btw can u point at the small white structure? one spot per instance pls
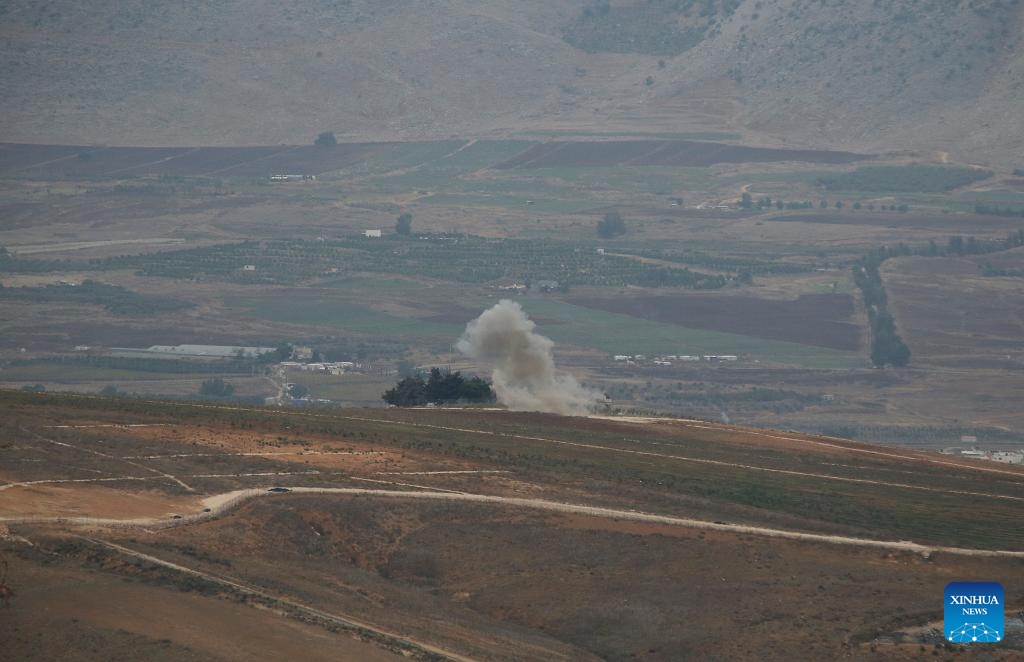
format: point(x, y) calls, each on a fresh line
point(207, 351)
point(249, 267)
point(1008, 457)
point(622, 357)
point(375, 234)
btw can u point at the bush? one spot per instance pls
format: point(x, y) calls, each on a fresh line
point(216, 388)
point(612, 225)
point(403, 225)
point(326, 139)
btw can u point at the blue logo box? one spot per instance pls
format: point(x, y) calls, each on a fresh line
point(974, 612)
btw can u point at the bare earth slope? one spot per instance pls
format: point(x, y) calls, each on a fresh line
point(886, 75)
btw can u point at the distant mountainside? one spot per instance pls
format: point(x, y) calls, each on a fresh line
point(879, 75)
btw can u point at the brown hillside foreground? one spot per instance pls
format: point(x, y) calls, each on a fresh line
point(169, 532)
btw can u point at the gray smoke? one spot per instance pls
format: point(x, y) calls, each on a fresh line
point(524, 371)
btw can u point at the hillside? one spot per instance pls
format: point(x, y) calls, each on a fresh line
point(909, 75)
point(256, 533)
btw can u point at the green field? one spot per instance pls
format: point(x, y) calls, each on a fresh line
point(340, 314)
point(72, 373)
point(562, 322)
point(361, 388)
point(622, 334)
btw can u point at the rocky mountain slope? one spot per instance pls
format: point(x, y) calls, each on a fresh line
point(920, 75)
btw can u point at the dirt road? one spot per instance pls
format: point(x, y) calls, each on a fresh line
point(222, 503)
point(334, 619)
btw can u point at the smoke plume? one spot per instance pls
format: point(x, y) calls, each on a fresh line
point(524, 371)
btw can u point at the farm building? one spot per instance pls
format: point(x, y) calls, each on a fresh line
point(546, 285)
point(193, 351)
point(1008, 457)
point(376, 234)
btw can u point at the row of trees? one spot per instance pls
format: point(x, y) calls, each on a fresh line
point(887, 347)
point(996, 210)
point(438, 387)
point(747, 201)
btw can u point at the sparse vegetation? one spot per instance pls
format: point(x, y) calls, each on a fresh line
point(658, 27)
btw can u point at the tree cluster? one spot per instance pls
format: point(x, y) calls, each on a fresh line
point(439, 387)
point(887, 347)
point(216, 388)
point(326, 139)
point(996, 210)
point(612, 225)
point(403, 225)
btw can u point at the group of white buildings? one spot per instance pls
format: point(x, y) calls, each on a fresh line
point(975, 453)
point(669, 359)
point(326, 367)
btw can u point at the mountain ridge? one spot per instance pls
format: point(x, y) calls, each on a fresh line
point(917, 76)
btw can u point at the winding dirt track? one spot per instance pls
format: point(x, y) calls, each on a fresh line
point(223, 503)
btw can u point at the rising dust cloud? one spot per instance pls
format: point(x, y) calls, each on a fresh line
point(524, 371)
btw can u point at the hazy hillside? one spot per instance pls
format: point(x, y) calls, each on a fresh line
point(887, 74)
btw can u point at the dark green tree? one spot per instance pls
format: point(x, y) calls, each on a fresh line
point(403, 225)
point(410, 392)
point(326, 139)
point(216, 388)
point(612, 225)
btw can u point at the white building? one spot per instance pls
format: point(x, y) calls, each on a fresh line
point(1008, 457)
point(376, 234)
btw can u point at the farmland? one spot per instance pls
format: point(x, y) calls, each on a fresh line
point(214, 252)
point(813, 319)
point(70, 161)
point(679, 153)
